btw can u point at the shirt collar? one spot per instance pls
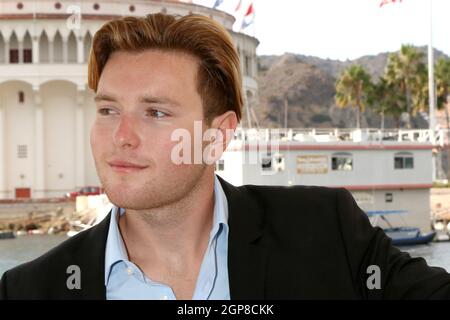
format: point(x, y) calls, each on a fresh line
point(220, 207)
point(115, 248)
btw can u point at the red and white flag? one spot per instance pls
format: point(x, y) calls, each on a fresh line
point(249, 17)
point(383, 2)
point(238, 7)
point(250, 10)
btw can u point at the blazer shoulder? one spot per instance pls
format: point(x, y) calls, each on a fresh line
point(299, 194)
point(48, 272)
point(302, 205)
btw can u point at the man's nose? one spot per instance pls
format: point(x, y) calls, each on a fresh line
point(126, 132)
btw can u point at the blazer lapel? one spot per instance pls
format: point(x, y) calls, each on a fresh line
point(90, 257)
point(95, 276)
point(247, 252)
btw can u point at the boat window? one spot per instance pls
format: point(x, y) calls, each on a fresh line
point(272, 162)
point(266, 164)
point(404, 160)
point(388, 197)
point(342, 161)
point(220, 165)
point(278, 162)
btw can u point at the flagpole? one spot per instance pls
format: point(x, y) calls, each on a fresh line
point(254, 24)
point(431, 89)
point(431, 92)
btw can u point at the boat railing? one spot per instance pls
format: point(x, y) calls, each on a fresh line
point(437, 138)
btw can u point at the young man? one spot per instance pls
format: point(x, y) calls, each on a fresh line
point(179, 232)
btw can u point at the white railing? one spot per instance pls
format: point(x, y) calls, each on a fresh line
point(438, 138)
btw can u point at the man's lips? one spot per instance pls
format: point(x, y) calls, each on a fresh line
point(125, 166)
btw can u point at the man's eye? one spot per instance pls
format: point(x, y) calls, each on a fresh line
point(157, 114)
point(105, 111)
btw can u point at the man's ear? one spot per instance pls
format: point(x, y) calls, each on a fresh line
point(224, 126)
point(226, 123)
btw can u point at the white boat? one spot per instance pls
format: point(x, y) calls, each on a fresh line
point(383, 169)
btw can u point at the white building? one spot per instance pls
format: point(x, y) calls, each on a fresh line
point(46, 108)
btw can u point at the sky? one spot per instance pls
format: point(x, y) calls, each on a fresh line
point(342, 29)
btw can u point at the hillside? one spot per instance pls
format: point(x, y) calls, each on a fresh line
point(306, 84)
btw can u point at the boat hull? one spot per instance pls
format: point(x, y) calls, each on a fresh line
point(420, 239)
point(7, 235)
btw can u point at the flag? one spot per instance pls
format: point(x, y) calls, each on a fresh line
point(217, 3)
point(238, 6)
point(249, 17)
point(249, 10)
point(245, 23)
point(383, 2)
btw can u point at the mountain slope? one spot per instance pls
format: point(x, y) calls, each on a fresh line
point(307, 85)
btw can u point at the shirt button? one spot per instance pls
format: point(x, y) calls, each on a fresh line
point(130, 271)
point(164, 298)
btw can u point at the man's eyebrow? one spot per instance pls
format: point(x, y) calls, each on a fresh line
point(104, 97)
point(142, 99)
point(155, 99)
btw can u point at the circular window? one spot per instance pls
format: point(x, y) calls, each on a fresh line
point(20, 5)
point(96, 6)
point(57, 5)
point(131, 8)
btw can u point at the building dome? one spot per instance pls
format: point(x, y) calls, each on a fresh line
point(46, 108)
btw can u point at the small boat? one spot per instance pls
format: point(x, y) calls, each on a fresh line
point(7, 235)
point(405, 236)
point(401, 236)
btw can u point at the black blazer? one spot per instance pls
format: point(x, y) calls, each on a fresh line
point(294, 242)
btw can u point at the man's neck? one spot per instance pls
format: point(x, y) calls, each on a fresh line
point(171, 238)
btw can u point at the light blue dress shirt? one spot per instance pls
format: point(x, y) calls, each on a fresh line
point(124, 279)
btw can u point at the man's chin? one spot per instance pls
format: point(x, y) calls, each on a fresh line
point(129, 203)
point(129, 198)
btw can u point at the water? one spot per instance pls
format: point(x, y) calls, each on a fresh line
point(437, 254)
point(25, 248)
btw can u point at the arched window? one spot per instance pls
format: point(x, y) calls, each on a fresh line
point(43, 48)
point(2, 49)
point(87, 42)
point(247, 65)
point(13, 49)
point(58, 48)
point(27, 49)
point(71, 48)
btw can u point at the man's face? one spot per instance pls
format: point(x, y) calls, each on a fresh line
point(141, 99)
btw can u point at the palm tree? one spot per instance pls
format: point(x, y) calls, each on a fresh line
point(442, 75)
point(388, 100)
point(354, 89)
point(420, 96)
point(404, 68)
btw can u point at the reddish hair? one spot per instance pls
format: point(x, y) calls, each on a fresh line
point(219, 76)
